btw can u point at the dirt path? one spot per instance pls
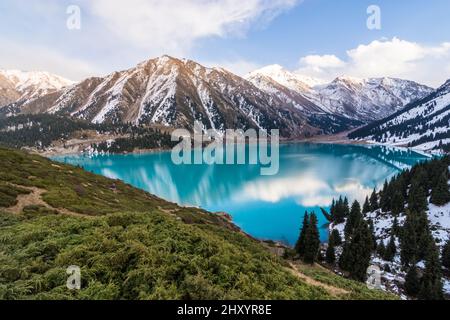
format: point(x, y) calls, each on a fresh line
point(331, 289)
point(35, 198)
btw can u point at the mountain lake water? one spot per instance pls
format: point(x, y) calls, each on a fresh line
point(266, 207)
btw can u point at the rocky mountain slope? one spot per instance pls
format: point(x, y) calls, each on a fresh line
point(424, 124)
point(360, 99)
point(18, 85)
point(175, 93)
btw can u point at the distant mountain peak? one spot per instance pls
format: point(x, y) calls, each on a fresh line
point(349, 79)
point(176, 92)
point(356, 98)
point(285, 77)
point(29, 84)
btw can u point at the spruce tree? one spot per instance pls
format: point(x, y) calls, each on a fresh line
point(384, 197)
point(398, 203)
point(440, 194)
point(346, 257)
point(412, 282)
point(345, 208)
point(417, 198)
point(330, 256)
point(372, 232)
point(333, 211)
point(357, 252)
point(374, 201)
point(395, 227)
point(312, 240)
point(391, 250)
point(431, 288)
point(300, 245)
point(353, 220)
point(408, 244)
point(381, 249)
point(366, 206)
point(424, 235)
point(335, 238)
point(446, 255)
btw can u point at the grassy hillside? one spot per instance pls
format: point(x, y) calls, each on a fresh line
point(132, 245)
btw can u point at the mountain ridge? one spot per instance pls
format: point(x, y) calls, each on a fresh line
point(177, 92)
point(362, 99)
point(423, 124)
point(26, 85)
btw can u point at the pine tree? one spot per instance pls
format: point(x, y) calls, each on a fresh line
point(357, 252)
point(366, 206)
point(335, 238)
point(417, 198)
point(333, 211)
point(395, 227)
point(431, 288)
point(391, 250)
point(412, 282)
point(446, 255)
point(409, 248)
point(381, 249)
point(398, 203)
point(353, 220)
point(339, 210)
point(312, 240)
point(300, 245)
point(374, 206)
point(424, 235)
point(372, 232)
point(330, 256)
point(440, 194)
point(384, 197)
point(345, 208)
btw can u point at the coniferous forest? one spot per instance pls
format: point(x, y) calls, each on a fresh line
point(407, 197)
point(40, 131)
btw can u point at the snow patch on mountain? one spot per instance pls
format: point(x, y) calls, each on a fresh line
point(423, 125)
point(361, 99)
point(32, 84)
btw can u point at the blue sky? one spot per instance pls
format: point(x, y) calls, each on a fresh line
point(320, 38)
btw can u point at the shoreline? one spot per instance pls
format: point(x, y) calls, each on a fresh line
point(338, 139)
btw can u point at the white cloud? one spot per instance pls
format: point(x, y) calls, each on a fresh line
point(28, 57)
point(117, 34)
point(275, 190)
point(320, 62)
point(380, 58)
point(173, 26)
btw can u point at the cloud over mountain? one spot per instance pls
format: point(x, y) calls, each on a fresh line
point(384, 58)
point(174, 25)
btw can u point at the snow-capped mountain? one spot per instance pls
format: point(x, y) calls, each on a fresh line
point(285, 86)
point(369, 99)
point(174, 93)
point(177, 92)
point(361, 99)
point(288, 79)
point(22, 85)
point(424, 124)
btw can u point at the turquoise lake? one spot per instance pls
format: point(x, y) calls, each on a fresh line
point(267, 207)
